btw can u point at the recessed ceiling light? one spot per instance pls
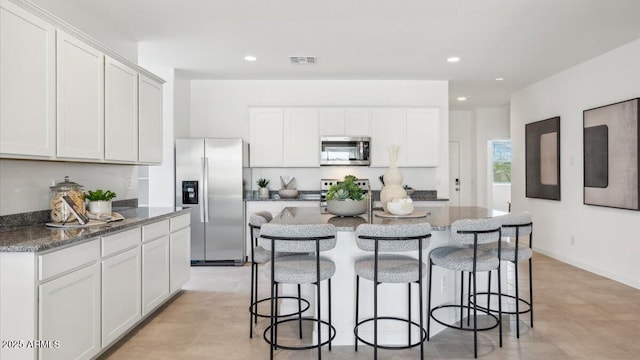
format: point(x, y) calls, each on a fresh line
point(250, 58)
point(453, 59)
point(499, 78)
point(462, 98)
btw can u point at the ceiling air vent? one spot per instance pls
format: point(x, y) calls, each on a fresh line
point(303, 60)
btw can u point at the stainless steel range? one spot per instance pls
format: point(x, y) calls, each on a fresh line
point(325, 184)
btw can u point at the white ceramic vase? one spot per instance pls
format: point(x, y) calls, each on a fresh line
point(392, 187)
point(263, 193)
point(347, 207)
point(100, 207)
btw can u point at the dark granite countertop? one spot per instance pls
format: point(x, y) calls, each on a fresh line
point(40, 237)
point(439, 217)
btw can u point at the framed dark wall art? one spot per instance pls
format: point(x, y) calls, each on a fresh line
point(611, 162)
point(542, 149)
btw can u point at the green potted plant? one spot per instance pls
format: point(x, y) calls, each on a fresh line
point(346, 198)
point(100, 201)
point(263, 191)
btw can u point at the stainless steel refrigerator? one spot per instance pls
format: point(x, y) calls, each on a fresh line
point(212, 176)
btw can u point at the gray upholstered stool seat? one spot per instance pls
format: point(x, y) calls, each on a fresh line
point(301, 269)
point(307, 268)
point(461, 259)
point(260, 255)
point(508, 250)
point(392, 268)
point(468, 257)
point(383, 267)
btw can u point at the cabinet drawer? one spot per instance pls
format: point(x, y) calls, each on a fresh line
point(114, 243)
point(155, 230)
point(60, 261)
point(180, 222)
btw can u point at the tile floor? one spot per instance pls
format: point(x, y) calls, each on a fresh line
point(578, 315)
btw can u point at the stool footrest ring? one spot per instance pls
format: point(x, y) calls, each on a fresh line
point(423, 333)
point(256, 313)
point(332, 331)
point(463, 322)
point(507, 312)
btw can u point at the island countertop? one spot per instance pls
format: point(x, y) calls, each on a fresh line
point(439, 217)
point(40, 237)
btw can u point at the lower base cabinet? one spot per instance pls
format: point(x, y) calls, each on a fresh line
point(155, 273)
point(69, 315)
point(180, 247)
point(121, 294)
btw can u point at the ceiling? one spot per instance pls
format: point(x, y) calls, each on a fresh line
point(522, 41)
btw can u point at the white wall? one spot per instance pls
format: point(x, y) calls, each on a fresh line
point(182, 106)
point(490, 124)
point(219, 108)
point(82, 17)
point(24, 185)
point(462, 130)
point(606, 240)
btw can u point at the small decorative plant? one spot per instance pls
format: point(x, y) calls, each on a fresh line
point(100, 201)
point(99, 195)
point(347, 189)
point(263, 192)
point(262, 182)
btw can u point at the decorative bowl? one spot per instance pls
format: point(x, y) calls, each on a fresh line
point(399, 208)
point(347, 207)
point(288, 193)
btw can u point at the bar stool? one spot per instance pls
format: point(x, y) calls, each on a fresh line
point(471, 259)
point(260, 255)
point(514, 226)
point(309, 268)
point(391, 268)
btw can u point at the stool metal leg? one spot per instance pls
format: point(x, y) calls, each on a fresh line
point(500, 300)
point(357, 307)
point(530, 292)
point(251, 308)
point(429, 300)
point(515, 264)
point(330, 323)
point(475, 317)
point(299, 312)
point(409, 323)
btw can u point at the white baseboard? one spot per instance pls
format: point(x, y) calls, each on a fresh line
point(635, 283)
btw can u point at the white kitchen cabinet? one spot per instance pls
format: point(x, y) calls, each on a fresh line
point(301, 138)
point(344, 122)
point(80, 99)
point(423, 137)
point(69, 312)
point(27, 89)
point(121, 293)
point(120, 111)
point(266, 135)
point(155, 273)
point(149, 120)
point(388, 128)
point(180, 266)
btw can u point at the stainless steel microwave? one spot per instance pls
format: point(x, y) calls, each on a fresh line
point(345, 150)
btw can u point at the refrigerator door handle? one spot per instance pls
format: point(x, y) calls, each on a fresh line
point(201, 190)
point(206, 189)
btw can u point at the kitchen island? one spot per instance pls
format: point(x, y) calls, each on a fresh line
point(72, 293)
point(392, 297)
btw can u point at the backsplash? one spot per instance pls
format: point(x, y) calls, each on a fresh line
point(24, 184)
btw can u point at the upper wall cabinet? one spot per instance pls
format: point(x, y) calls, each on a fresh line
point(284, 137)
point(120, 111)
point(301, 139)
point(27, 84)
point(64, 96)
point(80, 80)
point(266, 136)
point(344, 121)
point(150, 120)
point(415, 130)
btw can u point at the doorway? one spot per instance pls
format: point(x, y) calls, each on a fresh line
point(499, 176)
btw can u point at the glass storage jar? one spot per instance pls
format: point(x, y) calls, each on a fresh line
point(59, 211)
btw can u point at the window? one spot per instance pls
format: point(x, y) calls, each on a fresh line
point(501, 161)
